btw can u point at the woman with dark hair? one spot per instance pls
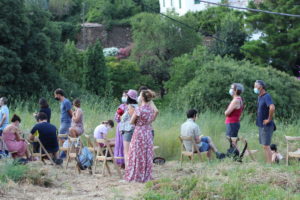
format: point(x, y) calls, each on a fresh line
point(125, 127)
point(119, 148)
point(13, 140)
point(234, 110)
point(44, 107)
point(77, 120)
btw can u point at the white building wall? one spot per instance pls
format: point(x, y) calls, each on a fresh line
point(189, 5)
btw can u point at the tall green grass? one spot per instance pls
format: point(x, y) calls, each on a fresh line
point(167, 125)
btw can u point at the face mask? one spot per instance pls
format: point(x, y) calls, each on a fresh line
point(124, 99)
point(56, 98)
point(231, 92)
point(256, 91)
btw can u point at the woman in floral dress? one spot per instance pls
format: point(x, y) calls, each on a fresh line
point(139, 167)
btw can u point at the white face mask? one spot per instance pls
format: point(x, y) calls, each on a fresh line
point(124, 99)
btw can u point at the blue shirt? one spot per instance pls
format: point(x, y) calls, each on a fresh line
point(65, 106)
point(47, 111)
point(4, 110)
point(263, 105)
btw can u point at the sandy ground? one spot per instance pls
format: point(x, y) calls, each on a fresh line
point(69, 185)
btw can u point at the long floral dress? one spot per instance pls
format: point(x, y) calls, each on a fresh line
point(119, 149)
point(139, 167)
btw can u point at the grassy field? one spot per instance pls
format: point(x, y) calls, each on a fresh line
point(209, 180)
point(167, 125)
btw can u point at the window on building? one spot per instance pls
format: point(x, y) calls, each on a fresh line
point(164, 3)
point(179, 3)
point(197, 1)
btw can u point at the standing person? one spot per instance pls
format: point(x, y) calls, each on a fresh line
point(234, 110)
point(151, 104)
point(13, 140)
point(125, 126)
point(264, 120)
point(77, 120)
point(44, 107)
point(4, 114)
point(140, 159)
point(119, 147)
point(4, 117)
point(65, 111)
point(47, 133)
point(191, 129)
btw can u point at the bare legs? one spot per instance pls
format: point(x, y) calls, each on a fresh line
point(212, 145)
point(73, 132)
point(268, 154)
point(126, 149)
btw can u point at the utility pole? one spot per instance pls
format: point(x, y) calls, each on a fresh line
point(83, 26)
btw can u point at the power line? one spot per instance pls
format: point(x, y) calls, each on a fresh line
point(251, 9)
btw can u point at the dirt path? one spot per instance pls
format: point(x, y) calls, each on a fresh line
point(69, 185)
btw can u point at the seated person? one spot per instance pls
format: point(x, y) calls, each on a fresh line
point(102, 130)
point(190, 128)
point(46, 132)
point(13, 140)
point(276, 156)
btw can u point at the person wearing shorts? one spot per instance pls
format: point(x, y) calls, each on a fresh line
point(191, 129)
point(264, 120)
point(234, 111)
point(126, 127)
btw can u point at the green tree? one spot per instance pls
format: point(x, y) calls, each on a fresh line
point(280, 40)
point(71, 63)
point(157, 40)
point(125, 74)
point(30, 46)
point(211, 77)
point(231, 36)
point(95, 71)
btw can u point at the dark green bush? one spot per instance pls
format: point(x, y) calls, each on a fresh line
point(210, 80)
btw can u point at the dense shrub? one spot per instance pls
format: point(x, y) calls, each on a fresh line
point(126, 74)
point(213, 77)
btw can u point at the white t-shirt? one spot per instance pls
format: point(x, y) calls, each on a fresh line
point(100, 131)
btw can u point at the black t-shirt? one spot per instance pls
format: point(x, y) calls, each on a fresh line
point(47, 111)
point(47, 135)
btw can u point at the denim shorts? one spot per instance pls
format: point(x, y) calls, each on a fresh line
point(265, 135)
point(232, 129)
point(64, 128)
point(204, 145)
point(128, 135)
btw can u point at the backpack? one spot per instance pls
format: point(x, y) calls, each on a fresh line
point(85, 159)
point(234, 153)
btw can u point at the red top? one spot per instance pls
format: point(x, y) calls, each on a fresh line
point(235, 115)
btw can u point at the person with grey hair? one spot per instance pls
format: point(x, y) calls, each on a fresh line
point(234, 110)
point(4, 114)
point(264, 120)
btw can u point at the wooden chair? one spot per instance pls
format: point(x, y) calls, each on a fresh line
point(90, 144)
point(61, 138)
point(42, 152)
point(189, 154)
point(73, 150)
point(248, 152)
point(105, 154)
point(289, 153)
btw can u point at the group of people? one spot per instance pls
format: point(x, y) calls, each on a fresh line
point(233, 113)
point(133, 144)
